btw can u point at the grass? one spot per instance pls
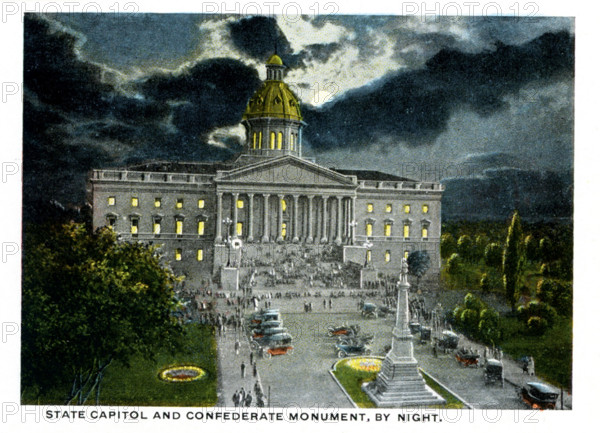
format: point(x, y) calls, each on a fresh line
point(352, 380)
point(139, 385)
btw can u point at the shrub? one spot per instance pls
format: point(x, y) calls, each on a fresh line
point(484, 283)
point(454, 264)
point(537, 325)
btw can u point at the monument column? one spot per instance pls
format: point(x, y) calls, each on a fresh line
point(325, 222)
point(235, 198)
point(353, 219)
point(280, 217)
point(295, 197)
point(250, 236)
point(309, 239)
point(265, 237)
point(219, 236)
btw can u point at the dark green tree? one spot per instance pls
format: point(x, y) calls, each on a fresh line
point(87, 301)
point(484, 283)
point(546, 250)
point(418, 264)
point(531, 248)
point(481, 242)
point(454, 265)
point(493, 255)
point(465, 247)
point(512, 260)
point(447, 245)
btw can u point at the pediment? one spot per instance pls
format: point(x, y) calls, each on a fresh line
point(285, 170)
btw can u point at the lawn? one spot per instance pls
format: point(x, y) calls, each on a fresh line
point(139, 385)
point(352, 380)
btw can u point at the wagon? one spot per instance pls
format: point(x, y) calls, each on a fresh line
point(539, 396)
point(467, 359)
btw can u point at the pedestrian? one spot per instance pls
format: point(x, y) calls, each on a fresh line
point(531, 366)
point(254, 371)
point(243, 368)
point(237, 347)
point(330, 304)
point(251, 357)
point(525, 365)
point(435, 354)
point(248, 400)
point(235, 399)
point(242, 396)
point(324, 303)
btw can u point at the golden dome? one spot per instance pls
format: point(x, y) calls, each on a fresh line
point(274, 60)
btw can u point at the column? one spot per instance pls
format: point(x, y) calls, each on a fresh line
point(338, 238)
point(250, 236)
point(279, 217)
point(325, 222)
point(235, 198)
point(265, 237)
point(219, 236)
point(353, 219)
point(309, 238)
point(295, 240)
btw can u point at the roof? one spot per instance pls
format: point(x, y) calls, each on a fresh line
point(372, 175)
point(180, 167)
point(274, 60)
point(542, 387)
point(273, 99)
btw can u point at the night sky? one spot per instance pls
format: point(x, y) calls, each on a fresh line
point(486, 104)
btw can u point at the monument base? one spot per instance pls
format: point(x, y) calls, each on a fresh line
point(400, 384)
point(229, 278)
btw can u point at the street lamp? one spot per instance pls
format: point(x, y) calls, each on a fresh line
point(352, 224)
point(368, 244)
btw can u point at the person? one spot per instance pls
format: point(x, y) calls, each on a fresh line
point(248, 399)
point(243, 368)
point(254, 371)
point(531, 366)
point(236, 399)
point(525, 365)
point(330, 304)
point(237, 347)
point(435, 355)
point(251, 357)
point(324, 303)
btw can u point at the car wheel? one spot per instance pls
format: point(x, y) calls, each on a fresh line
point(341, 354)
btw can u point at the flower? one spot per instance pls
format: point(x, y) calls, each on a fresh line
point(181, 373)
point(364, 364)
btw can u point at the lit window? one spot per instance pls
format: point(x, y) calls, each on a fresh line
point(254, 141)
point(406, 208)
point(179, 203)
point(283, 205)
point(279, 140)
point(200, 227)
point(178, 254)
point(111, 201)
point(239, 229)
point(406, 254)
point(424, 232)
point(369, 229)
point(406, 231)
point(388, 208)
point(283, 230)
point(201, 204)
point(388, 256)
point(368, 255)
point(260, 139)
point(111, 222)
point(425, 208)
point(156, 227)
point(292, 141)
point(134, 202)
point(387, 230)
point(200, 255)
point(369, 207)
point(157, 202)
point(134, 227)
point(179, 227)
point(272, 142)
point(240, 204)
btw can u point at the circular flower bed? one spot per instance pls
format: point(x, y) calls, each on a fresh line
point(182, 373)
point(364, 364)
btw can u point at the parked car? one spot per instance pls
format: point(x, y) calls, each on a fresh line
point(467, 359)
point(264, 316)
point(449, 340)
point(539, 396)
point(414, 327)
point(343, 330)
point(272, 340)
point(344, 350)
point(494, 372)
point(425, 335)
point(268, 324)
point(268, 331)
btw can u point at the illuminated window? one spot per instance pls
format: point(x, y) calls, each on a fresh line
point(388, 208)
point(406, 208)
point(156, 227)
point(369, 229)
point(425, 208)
point(388, 256)
point(157, 202)
point(368, 255)
point(279, 140)
point(201, 204)
point(406, 254)
point(272, 142)
point(283, 230)
point(254, 141)
point(260, 139)
point(134, 202)
point(283, 205)
point(200, 255)
point(111, 201)
point(369, 207)
point(111, 222)
point(179, 203)
point(134, 227)
point(200, 227)
point(178, 254)
point(292, 141)
point(424, 232)
point(239, 229)
point(179, 227)
point(406, 231)
point(387, 229)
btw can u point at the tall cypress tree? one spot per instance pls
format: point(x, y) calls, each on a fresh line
point(512, 260)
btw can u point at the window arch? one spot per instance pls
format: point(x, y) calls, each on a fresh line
point(272, 141)
point(279, 140)
point(254, 140)
point(260, 139)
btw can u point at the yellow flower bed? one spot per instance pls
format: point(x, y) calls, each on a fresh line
point(182, 373)
point(364, 364)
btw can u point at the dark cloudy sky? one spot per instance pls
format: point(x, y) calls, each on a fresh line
point(490, 98)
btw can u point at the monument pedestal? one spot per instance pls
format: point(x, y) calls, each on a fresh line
point(229, 278)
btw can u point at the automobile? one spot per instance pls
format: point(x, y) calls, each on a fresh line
point(538, 395)
point(351, 330)
point(272, 340)
point(425, 335)
point(369, 310)
point(264, 316)
point(356, 339)
point(268, 331)
point(384, 311)
point(449, 340)
point(267, 324)
point(276, 350)
point(494, 372)
point(467, 359)
point(414, 327)
point(344, 350)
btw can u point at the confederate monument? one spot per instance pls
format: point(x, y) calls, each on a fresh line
point(400, 383)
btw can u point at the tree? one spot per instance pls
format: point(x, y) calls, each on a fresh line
point(512, 260)
point(493, 255)
point(531, 248)
point(465, 247)
point(89, 300)
point(484, 283)
point(453, 265)
point(481, 242)
point(447, 245)
point(546, 250)
point(418, 264)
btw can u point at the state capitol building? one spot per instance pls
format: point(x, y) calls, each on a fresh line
point(268, 198)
